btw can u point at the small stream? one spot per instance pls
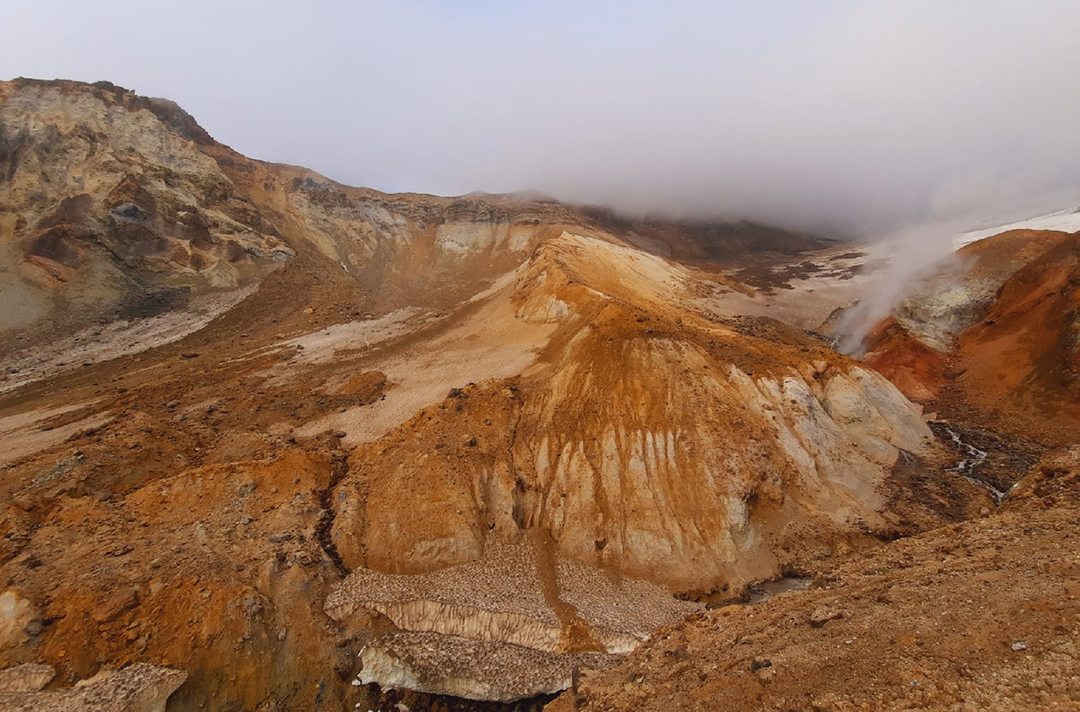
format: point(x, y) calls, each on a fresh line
point(967, 466)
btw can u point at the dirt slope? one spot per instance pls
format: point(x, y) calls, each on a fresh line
point(1020, 365)
point(979, 615)
point(912, 366)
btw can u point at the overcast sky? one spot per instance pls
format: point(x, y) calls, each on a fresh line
point(857, 114)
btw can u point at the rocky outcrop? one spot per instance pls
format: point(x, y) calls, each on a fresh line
point(108, 210)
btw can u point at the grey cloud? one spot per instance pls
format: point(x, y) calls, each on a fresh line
point(855, 116)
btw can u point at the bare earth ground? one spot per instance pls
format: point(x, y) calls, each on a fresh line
point(25, 433)
point(486, 343)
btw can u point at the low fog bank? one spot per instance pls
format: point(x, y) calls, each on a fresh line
point(838, 117)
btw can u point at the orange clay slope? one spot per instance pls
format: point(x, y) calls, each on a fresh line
point(1020, 365)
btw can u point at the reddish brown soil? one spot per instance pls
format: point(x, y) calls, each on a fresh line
point(1009, 251)
point(912, 366)
point(1019, 367)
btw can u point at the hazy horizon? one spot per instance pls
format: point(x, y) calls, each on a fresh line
point(836, 116)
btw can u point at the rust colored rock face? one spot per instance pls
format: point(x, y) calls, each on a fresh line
point(626, 455)
point(917, 370)
point(116, 604)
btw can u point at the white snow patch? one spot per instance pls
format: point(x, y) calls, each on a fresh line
point(1063, 220)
